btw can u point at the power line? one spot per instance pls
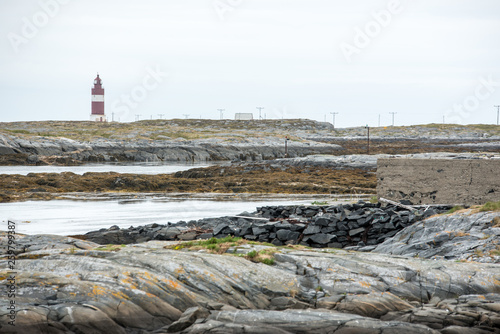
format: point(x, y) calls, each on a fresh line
point(393, 113)
point(334, 113)
point(498, 113)
point(260, 111)
point(185, 115)
point(221, 111)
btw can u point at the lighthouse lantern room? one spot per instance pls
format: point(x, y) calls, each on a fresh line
point(97, 113)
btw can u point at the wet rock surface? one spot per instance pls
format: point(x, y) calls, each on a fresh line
point(146, 288)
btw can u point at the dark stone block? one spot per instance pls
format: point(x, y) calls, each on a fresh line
point(335, 245)
point(205, 236)
point(322, 238)
point(277, 242)
point(322, 221)
point(280, 226)
point(187, 236)
point(328, 229)
point(352, 225)
point(312, 229)
point(282, 234)
point(293, 236)
point(341, 226)
point(298, 227)
point(245, 231)
point(389, 226)
point(268, 227)
point(356, 231)
point(220, 228)
point(263, 237)
point(257, 230)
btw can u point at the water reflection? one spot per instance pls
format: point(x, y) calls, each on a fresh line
point(66, 217)
point(131, 168)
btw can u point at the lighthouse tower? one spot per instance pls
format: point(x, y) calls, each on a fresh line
point(97, 114)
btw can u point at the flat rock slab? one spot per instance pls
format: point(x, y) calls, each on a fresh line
point(146, 288)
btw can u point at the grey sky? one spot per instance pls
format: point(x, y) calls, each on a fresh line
point(297, 58)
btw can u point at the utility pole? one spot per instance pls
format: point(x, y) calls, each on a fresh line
point(286, 146)
point(334, 113)
point(498, 113)
point(393, 113)
point(112, 117)
point(260, 111)
point(137, 117)
point(379, 120)
point(161, 115)
point(368, 142)
point(185, 116)
point(443, 119)
point(221, 111)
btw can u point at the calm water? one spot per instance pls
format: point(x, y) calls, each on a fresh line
point(131, 168)
point(66, 217)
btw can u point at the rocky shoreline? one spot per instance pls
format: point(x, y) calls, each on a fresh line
point(48, 150)
point(68, 285)
point(67, 143)
point(359, 226)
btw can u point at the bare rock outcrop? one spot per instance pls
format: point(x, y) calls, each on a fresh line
point(146, 288)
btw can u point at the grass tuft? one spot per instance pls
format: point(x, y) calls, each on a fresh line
point(455, 209)
point(491, 206)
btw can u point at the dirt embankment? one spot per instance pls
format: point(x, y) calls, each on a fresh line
point(215, 179)
point(411, 146)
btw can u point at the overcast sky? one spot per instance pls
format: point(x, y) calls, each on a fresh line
point(362, 59)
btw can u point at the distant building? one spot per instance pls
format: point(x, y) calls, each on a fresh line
point(243, 116)
point(97, 114)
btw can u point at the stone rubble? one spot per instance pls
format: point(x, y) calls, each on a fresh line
point(359, 226)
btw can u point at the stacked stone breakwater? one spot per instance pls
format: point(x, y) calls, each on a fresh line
point(359, 226)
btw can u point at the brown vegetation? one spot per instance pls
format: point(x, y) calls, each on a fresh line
point(407, 146)
point(215, 179)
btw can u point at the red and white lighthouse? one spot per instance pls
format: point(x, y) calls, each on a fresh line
point(97, 113)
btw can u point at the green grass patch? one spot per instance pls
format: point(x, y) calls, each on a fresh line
point(319, 203)
point(252, 254)
point(110, 248)
point(455, 209)
point(220, 246)
point(268, 261)
point(491, 206)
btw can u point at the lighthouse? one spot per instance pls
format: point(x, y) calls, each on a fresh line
point(97, 114)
